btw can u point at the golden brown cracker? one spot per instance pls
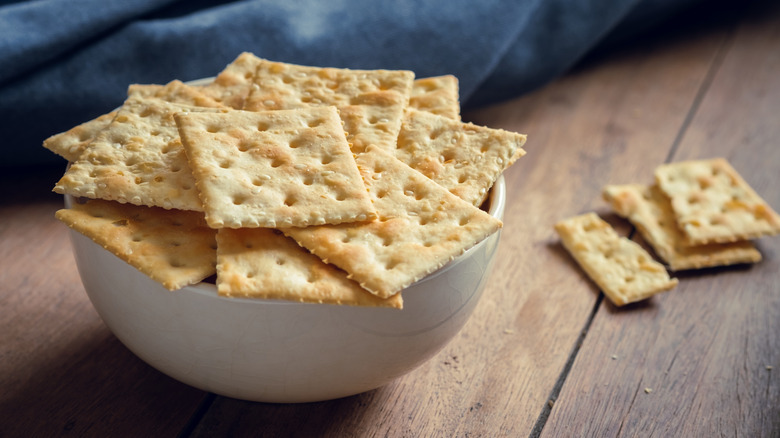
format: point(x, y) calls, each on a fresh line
point(173, 247)
point(138, 159)
point(421, 226)
point(436, 95)
point(371, 102)
point(712, 203)
point(464, 158)
point(274, 168)
point(651, 212)
point(623, 270)
point(263, 263)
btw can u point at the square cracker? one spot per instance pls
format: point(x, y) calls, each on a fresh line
point(712, 203)
point(421, 226)
point(274, 168)
point(651, 212)
point(138, 159)
point(233, 84)
point(371, 102)
point(623, 270)
point(173, 247)
point(465, 159)
point(263, 263)
point(436, 95)
point(71, 143)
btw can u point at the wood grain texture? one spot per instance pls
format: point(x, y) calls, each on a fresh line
point(61, 370)
point(701, 360)
point(495, 378)
point(703, 350)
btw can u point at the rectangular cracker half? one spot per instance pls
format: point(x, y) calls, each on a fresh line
point(464, 158)
point(274, 168)
point(712, 203)
point(436, 95)
point(622, 269)
point(263, 263)
point(71, 143)
point(371, 102)
point(651, 212)
point(421, 226)
point(138, 159)
point(233, 84)
point(173, 247)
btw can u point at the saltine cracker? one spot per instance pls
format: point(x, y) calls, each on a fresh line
point(712, 203)
point(651, 212)
point(623, 270)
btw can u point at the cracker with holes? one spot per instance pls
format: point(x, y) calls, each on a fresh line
point(173, 247)
point(287, 168)
point(712, 203)
point(464, 158)
point(370, 102)
point(421, 226)
point(138, 159)
point(71, 143)
point(436, 95)
point(233, 84)
point(263, 263)
point(651, 212)
point(623, 270)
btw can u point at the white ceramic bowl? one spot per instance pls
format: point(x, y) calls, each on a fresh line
point(277, 351)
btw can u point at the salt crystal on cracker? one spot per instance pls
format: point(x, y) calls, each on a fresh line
point(623, 270)
point(464, 158)
point(138, 159)
point(651, 212)
point(274, 168)
point(421, 226)
point(371, 102)
point(173, 247)
point(712, 203)
point(263, 263)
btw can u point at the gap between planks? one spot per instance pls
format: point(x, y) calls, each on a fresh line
point(717, 61)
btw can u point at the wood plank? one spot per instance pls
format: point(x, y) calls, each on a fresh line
point(496, 376)
point(709, 351)
point(61, 370)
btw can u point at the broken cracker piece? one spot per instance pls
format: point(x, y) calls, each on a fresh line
point(173, 247)
point(421, 226)
point(263, 263)
point(623, 270)
point(651, 212)
point(274, 168)
point(712, 203)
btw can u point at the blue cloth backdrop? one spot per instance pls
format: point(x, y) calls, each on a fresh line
point(63, 62)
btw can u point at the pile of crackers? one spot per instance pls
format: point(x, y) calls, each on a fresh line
point(282, 181)
point(698, 214)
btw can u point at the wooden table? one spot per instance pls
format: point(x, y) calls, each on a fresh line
point(544, 354)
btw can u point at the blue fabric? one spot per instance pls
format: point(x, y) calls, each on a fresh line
point(63, 62)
